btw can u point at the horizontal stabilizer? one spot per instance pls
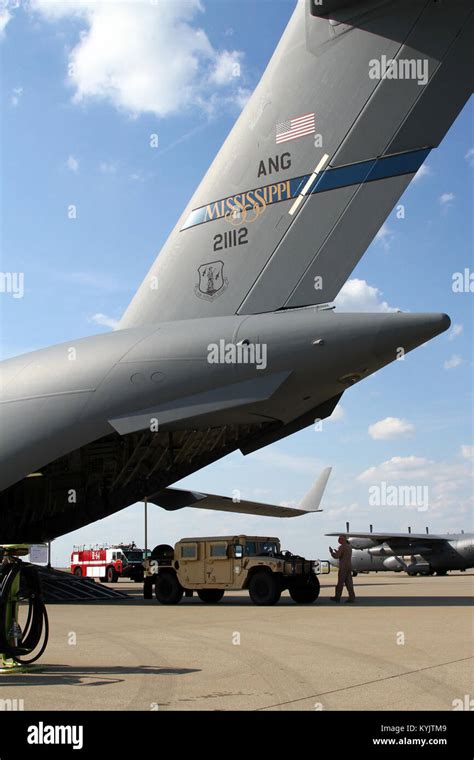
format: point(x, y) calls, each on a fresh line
point(175, 498)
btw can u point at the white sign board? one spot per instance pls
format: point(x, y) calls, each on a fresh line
point(39, 554)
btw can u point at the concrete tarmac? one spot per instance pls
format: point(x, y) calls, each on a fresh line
point(406, 645)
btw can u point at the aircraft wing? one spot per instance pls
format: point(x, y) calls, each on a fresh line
point(353, 100)
point(175, 498)
point(401, 542)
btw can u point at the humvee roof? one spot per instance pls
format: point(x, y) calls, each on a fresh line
point(229, 538)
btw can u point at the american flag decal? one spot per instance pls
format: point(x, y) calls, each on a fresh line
point(295, 128)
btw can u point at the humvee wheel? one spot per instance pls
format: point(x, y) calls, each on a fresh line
point(210, 595)
point(148, 588)
point(264, 588)
point(306, 594)
point(168, 589)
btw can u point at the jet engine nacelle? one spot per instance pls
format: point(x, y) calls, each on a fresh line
point(394, 563)
point(381, 550)
point(361, 543)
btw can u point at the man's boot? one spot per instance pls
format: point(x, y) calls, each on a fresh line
point(335, 598)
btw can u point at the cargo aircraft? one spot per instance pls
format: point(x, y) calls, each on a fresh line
point(423, 553)
point(230, 343)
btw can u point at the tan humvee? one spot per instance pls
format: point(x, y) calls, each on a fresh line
point(211, 566)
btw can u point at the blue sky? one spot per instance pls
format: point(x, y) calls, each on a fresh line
point(71, 138)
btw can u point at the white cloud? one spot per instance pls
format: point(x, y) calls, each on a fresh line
point(467, 452)
point(349, 510)
point(423, 171)
point(140, 176)
point(143, 57)
point(389, 428)
point(358, 295)
point(453, 362)
point(446, 199)
point(397, 468)
point(17, 93)
point(455, 331)
point(470, 156)
point(240, 98)
point(5, 17)
point(104, 320)
point(283, 461)
point(227, 67)
point(449, 483)
point(72, 164)
point(384, 236)
point(107, 168)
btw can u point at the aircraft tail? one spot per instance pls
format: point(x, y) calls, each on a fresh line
point(353, 99)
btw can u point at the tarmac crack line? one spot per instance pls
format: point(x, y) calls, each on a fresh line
point(364, 683)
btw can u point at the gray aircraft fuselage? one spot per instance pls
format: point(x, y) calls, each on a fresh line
point(101, 422)
point(456, 552)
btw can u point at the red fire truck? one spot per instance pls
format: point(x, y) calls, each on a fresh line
point(108, 563)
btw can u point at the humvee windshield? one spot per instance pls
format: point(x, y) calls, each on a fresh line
point(259, 548)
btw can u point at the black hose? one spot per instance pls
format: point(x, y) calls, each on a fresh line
point(36, 628)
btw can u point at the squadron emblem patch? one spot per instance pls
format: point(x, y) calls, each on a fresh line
point(212, 282)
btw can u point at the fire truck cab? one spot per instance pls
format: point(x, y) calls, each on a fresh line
point(108, 563)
